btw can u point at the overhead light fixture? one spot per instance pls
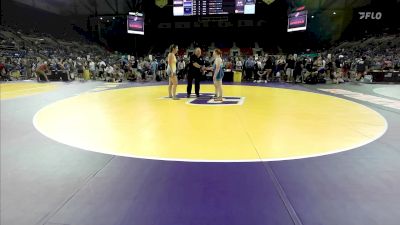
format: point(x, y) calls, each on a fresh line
point(113, 17)
point(334, 13)
point(101, 18)
point(312, 17)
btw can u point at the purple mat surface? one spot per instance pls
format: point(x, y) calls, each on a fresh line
point(135, 191)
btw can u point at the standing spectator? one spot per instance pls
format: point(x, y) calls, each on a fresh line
point(80, 68)
point(249, 68)
point(67, 69)
point(161, 68)
point(146, 68)
point(3, 73)
point(135, 67)
point(268, 66)
point(338, 65)
point(102, 65)
point(396, 66)
point(92, 69)
point(298, 70)
point(42, 71)
point(24, 68)
point(329, 69)
point(34, 66)
point(257, 71)
point(141, 70)
point(346, 70)
point(360, 68)
point(238, 64)
point(154, 68)
point(181, 68)
point(289, 68)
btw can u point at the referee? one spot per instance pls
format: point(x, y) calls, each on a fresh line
point(195, 71)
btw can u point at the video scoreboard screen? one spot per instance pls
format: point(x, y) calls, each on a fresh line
point(135, 23)
point(297, 21)
point(213, 7)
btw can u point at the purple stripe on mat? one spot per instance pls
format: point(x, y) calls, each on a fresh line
point(135, 191)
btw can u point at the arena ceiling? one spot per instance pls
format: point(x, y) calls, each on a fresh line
point(84, 7)
point(101, 7)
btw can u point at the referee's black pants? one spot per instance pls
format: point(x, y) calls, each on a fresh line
point(196, 78)
point(248, 74)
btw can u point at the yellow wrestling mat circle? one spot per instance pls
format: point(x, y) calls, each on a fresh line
point(14, 90)
point(270, 124)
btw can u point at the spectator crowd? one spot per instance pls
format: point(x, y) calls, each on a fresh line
point(66, 61)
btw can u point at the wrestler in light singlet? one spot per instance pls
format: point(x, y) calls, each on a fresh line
point(172, 66)
point(171, 71)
